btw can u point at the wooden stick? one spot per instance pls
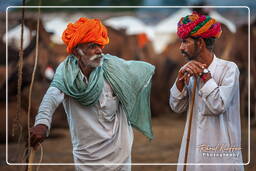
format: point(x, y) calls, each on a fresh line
point(190, 116)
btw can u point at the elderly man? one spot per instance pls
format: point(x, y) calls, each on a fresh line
point(103, 96)
point(215, 131)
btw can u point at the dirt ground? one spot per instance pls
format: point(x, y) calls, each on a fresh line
point(164, 148)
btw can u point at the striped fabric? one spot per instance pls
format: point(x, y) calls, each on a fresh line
point(196, 25)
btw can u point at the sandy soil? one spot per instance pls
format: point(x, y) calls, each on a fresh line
point(164, 148)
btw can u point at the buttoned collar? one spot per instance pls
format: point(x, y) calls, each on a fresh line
point(213, 64)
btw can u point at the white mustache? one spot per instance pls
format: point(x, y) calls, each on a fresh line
point(95, 57)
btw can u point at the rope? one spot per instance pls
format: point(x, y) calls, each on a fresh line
point(33, 77)
point(31, 151)
point(31, 159)
point(17, 123)
point(41, 156)
point(31, 155)
point(17, 126)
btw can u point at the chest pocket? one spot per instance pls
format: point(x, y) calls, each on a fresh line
point(108, 105)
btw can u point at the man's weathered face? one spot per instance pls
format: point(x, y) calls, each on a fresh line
point(189, 48)
point(89, 53)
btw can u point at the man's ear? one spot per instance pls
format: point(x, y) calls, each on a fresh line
point(201, 43)
point(74, 50)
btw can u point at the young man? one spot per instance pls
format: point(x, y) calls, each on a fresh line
point(103, 96)
point(215, 135)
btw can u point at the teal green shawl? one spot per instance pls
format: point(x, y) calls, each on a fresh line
point(130, 81)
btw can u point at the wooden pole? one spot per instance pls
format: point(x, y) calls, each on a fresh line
point(190, 116)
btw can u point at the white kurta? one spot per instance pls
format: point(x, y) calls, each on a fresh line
point(100, 133)
point(216, 119)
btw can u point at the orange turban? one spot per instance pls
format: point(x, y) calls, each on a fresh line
point(85, 30)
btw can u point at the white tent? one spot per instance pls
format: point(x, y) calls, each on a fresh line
point(14, 37)
point(231, 26)
point(131, 24)
point(57, 26)
point(165, 30)
point(169, 24)
point(161, 34)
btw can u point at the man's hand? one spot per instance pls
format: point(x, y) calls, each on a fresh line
point(192, 68)
point(38, 134)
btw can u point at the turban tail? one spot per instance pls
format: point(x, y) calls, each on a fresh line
point(85, 30)
point(197, 25)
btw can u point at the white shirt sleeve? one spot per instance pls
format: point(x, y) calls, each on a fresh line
point(178, 100)
point(217, 98)
point(52, 98)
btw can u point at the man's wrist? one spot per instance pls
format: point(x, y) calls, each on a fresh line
point(42, 126)
point(206, 77)
point(180, 85)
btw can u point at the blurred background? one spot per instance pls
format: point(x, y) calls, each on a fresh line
point(136, 33)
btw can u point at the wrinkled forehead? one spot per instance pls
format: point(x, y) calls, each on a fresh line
point(88, 45)
point(188, 39)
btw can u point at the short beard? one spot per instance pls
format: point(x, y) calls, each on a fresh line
point(195, 54)
point(92, 63)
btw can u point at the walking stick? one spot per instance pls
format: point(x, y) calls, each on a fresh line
point(190, 116)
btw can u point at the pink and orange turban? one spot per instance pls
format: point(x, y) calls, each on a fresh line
point(197, 25)
point(85, 30)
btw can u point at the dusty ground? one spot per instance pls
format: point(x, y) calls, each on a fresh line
point(168, 130)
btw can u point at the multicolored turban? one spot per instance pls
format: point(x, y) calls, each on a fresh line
point(197, 25)
point(85, 30)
